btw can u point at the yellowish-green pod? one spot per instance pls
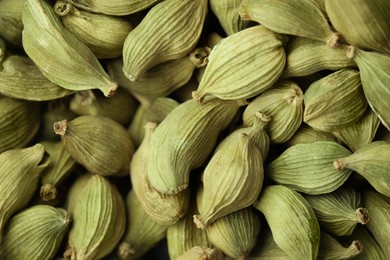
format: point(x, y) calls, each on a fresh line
point(308, 168)
point(372, 162)
point(20, 170)
point(169, 31)
point(99, 220)
point(300, 17)
point(238, 70)
point(11, 25)
point(340, 211)
point(142, 232)
point(371, 248)
point(35, 233)
point(60, 56)
point(103, 34)
point(184, 140)
point(306, 134)
point(75, 190)
point(293, 223)
point(331, 249)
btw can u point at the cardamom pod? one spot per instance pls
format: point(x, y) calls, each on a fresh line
point(284, 104)
point(35, 233)
point(184, 140)
point(202, 253)
point(292, 222)
point(331, 249)
point(103, 34)
point(75, 190)
point(372, 162)
point(308, 168)
point(98, 143)
point(340, 211)
point(335, 101)
point(60, 56)
point(99, 220)
point(301, 18)
point(238, 70)
point(371, 249)
point(20, 170)
point(170, 30)
point(11, 25)
point(306, 134)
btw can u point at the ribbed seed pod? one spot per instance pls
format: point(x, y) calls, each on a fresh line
point(371, 249)
point(362, 23)
point(308, 168)
point(98, 143)
point(60, 56)
point(103, 34)
point(238, 70)
point(35, 233)
point(301, 18)
point(374, 75)
point(11, 25)
point(306, 56)
point(340, 211)
point(60, 166)
point(235, 234)
point(162, 208)
point(306, 134)
point(293, 223)
point(267, 249)
point(379, 207)
point(227, 14)
point(183, 141)
point(202, 253)
point(98, 220)
point(361, 133)
point(119, 107)
point(20, 170)
point(142, 232)
point(331, 249)
point(169, 31)
point(20, 78)
point(19, 122)
point(372, 162)
point(335, 101)
point(284, 104)
point(75, 190)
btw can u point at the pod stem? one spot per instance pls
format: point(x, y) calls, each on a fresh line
point(48, 192)
point(198, 222)
point(362, 215)
point(125, 250)
point(60, 127)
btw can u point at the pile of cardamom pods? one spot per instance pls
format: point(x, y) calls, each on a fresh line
point(194, 129)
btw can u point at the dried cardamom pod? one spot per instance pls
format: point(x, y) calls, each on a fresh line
point(371, 249)
point(340, 211)
point(20, 170)
point(35, 233)
point(308, 168)
point(20, 78)
point(238, 70)
point(306, 56)
point(306, 134)
point(379, 207)
point(363, 24)
point(60, 56)
point(267, 249)
point(301, 18)
point(98, 220)
point(184, 140)
point(335, 101)
point(103, 34)
point(372, 162)
point(293, 223)
point(374, 75)
point(60, 166)
point(119, 107)
point(163, 208)
point(75, 191)
point(236, 233)
point(11, 25)
point(202, 253)
point(98, 143)
point(19, 122)
point(284, 104)
point(361, 133)
point(331, 249)
point(169, 31)
point(142, 232)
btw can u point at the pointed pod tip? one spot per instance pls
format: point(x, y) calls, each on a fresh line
point(60, 127)
point(198, 222)
point(362, 215)
point(334, 40)
point(338, 165)
point(197, 96)
point(351, 51)
point(125, 250)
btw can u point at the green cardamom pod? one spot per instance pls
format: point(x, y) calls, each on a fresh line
point(335, 101)
point(11, 25)
point(75, 190)
point(98, 143)
point(60, 56)
point(308, 168)
point(202, 253)
point(371, 249)
point(238, 70)
point(301, 18)
point(284, 104)
point(170, 30)
point(372, 162)
point(293, 223)
point(340, 211)
point(35, 233)
point(306, 134)
point(331, 249)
